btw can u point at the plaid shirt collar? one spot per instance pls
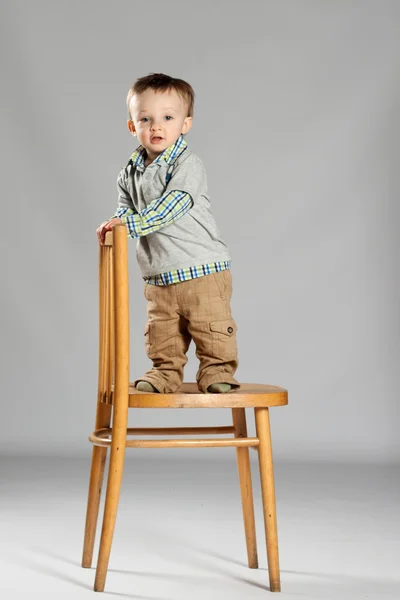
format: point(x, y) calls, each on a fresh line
point(169, 155)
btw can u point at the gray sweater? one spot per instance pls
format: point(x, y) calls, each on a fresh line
point(192, 240)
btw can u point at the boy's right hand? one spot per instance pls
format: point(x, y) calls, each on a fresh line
point(104, 227)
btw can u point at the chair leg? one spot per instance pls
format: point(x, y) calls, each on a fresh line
point(268, 495)
point(110, 513)
point(99, 456)
point(246, 488)
point(120, 399)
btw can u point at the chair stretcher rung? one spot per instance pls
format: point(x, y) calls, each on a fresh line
point(169, 430)
point(102, 437)
point(179, 430)
point(197, 443)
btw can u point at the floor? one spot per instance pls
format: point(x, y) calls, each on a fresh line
point(179, 532)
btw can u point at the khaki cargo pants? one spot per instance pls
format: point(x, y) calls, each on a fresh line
point(197, 309)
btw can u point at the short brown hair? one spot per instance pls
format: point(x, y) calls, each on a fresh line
point(163, 83)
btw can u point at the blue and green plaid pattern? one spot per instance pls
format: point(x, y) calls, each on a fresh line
point(170, 154)
point(186, 274)
point(162, 211)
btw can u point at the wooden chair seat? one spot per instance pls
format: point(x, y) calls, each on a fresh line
point(248, 395)
point(116, 395)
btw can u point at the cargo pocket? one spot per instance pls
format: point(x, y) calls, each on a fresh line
point(160, 339)
point(223, 335)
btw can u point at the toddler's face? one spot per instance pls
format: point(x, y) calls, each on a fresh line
point(158, 119)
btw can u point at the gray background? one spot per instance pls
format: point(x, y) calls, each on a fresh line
point(297, 124)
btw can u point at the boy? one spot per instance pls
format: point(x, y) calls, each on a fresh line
point(163, 201)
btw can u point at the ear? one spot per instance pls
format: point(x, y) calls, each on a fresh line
point(131, 126)
point(187, 124)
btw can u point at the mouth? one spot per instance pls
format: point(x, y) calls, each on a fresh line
point(156, 139)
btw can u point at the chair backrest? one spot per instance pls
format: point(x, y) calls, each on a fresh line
point(114, 336)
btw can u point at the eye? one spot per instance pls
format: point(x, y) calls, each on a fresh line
point(168, 117)
point(145, 119)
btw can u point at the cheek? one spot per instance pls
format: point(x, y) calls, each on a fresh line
point(177, 126)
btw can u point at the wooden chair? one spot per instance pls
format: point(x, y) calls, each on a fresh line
point(111, 431)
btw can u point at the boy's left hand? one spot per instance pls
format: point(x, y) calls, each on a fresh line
point(106, 226)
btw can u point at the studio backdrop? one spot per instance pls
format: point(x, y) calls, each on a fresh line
point(296, 120)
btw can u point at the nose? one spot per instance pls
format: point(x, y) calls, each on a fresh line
point(155, 125)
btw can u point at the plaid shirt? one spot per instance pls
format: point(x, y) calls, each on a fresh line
point(170, 207)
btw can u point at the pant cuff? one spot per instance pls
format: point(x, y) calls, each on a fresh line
point(161, 386)
point(207, 380)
